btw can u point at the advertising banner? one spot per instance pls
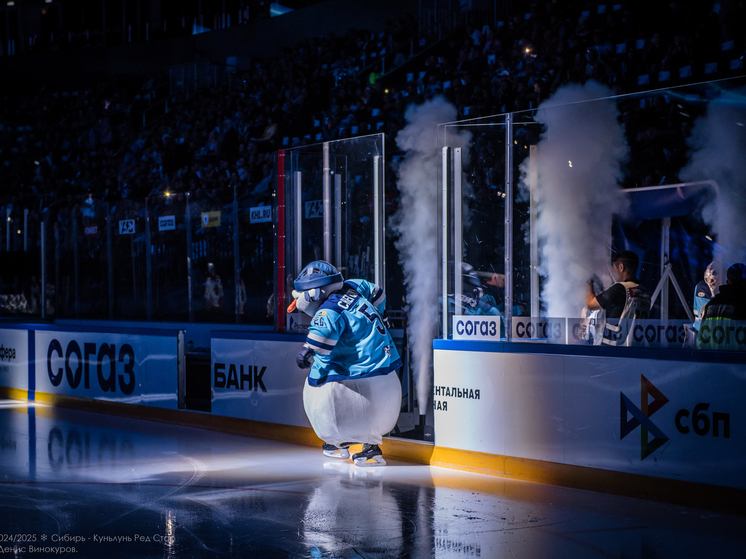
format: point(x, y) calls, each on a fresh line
point(122, 367)
point(553, 330)
point(669, 418)
point(467, 327)
point(14, 358)
point(126, 226)
point(167, 223)
point(260, 214)
point(297, 322)
point(211, 219)
point(257, 379)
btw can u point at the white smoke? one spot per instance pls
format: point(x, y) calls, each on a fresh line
point(416, 224)
point(579, 160)
point(718, 143)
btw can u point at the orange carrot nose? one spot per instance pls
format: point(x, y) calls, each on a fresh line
point(291, 308)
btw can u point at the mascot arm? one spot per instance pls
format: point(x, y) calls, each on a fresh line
point(304, 359)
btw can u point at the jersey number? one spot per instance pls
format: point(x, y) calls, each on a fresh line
point(371, 315)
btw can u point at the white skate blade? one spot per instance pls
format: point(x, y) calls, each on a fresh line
point(341, 453)
point(371, 462)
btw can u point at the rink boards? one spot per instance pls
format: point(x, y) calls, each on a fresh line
point(515, 409)
point(675, 415)
point(125, 365)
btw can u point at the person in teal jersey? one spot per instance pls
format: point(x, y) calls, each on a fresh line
point(353, 393)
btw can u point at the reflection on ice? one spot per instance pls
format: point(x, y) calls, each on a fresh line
point(181, 492)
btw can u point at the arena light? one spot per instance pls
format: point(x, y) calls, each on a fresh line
point(11, 3)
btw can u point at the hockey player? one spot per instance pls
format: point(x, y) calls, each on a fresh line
point(472, 300)
point(353, 394)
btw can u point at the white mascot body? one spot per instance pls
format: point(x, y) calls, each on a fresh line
point(353, 393)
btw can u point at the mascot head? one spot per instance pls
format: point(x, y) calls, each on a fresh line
point(314, 284)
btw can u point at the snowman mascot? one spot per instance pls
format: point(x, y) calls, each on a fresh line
point(353, 393)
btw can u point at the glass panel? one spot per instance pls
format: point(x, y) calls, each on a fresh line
point(20, 261)
point(307, 170)
point(63, 262)
point(85, 245)
point(482, 250)
point(352, 164)
point(213, 263)
point(655, 173)
point(169, 266)
point(256, 266)
point(129, 259)
point(351, 181)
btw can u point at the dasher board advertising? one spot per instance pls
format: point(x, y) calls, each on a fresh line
point(553, 330)
point(473, 327)
point(14, 358)
point(674, 419)
point(122, 367)
point(297, 322)
point(258, 379)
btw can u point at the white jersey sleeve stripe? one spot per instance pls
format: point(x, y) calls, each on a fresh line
point(316, 339)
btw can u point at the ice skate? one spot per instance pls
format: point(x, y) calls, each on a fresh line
point(370, 456)
point(337, 451)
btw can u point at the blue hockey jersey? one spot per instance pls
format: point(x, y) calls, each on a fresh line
point(349, 338)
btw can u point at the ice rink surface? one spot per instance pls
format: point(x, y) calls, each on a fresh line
point(79, 484)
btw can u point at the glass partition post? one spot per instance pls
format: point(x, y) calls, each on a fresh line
point(280, 236)
point(534, 235)
point(188, 226)
point(76, 262)
point(508, 225)
point(43, 240)
point(327, 193)
point(457, 205)
point(379, 222)
point(298, 210)
point(110, 259)
point(148, 264)
point(445, 167)
point(236, 259)
point(338, 220)
point(57, 256)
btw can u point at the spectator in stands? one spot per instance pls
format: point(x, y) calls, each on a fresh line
point(213, 290)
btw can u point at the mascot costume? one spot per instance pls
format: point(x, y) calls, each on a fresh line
point(353, 393)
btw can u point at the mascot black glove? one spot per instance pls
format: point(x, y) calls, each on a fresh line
point(304, 360)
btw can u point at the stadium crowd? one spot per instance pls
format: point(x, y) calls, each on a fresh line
point(58, 148)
